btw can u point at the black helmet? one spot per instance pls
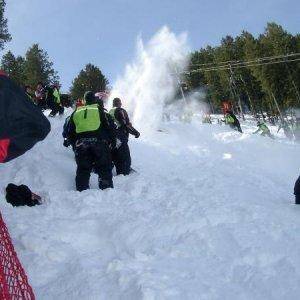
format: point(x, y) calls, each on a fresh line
point(89, 98)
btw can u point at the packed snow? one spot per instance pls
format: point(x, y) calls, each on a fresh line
point(209, 215)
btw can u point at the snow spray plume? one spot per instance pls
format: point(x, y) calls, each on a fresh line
point(149, 82)
point(194, 104)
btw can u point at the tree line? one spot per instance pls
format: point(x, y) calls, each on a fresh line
point(258, 87)
point(35, 67)
point(270, 87)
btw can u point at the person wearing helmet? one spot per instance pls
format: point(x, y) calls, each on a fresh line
point(121, 155)
point(232, 121)
point(263, 128)
point(92, 136)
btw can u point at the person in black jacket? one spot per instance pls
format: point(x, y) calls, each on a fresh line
point(92, 136)
point(232, 121)
point(121, 154)
point(297, 191)
point(53, 100)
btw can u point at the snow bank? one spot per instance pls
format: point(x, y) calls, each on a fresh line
point(208, 216)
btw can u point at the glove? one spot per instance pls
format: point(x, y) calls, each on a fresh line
point(66, 143)
point(137, 135)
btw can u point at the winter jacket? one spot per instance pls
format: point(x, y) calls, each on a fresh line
point(121, 119)
point(22, 123)
point(90, 121)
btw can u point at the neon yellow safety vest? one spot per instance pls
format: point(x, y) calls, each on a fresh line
point(264, 128)
point(56, 95)
point(112, 113)
point(87, 118)
point(229, 119)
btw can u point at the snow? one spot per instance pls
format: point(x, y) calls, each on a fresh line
point(209, 215)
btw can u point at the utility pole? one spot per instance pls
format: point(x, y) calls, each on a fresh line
point(209, 99)
point(250, 100)
point(277, 106)
point(238, 96)
point(180, 85)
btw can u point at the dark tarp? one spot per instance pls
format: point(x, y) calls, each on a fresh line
point(22, 124)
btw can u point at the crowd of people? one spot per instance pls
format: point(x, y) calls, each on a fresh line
point(291, 131)
point(46, 97)
point(98, 138)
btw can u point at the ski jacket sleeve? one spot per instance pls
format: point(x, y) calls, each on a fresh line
point(70, 132)
point(22, 124)
point(122, 117)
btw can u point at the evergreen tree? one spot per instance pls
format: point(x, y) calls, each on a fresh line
point(38, 67)
point(14, 67)
point(89, 79)
point(265, 87)
point(4, 35)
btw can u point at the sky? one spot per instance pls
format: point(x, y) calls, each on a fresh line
point(104, 32)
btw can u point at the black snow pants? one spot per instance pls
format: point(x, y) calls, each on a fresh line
point(91, 154)
point(122, 159)
point(56, 108)
point(121, 156)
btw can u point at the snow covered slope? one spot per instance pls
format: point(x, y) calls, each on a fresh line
point(209, 215)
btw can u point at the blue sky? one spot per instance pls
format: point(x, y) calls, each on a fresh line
point(76, 32)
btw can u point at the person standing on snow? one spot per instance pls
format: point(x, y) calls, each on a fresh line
point(92, 136)
point(53, 100)
point(121, 154)
point(232, 121)
point(264, 129)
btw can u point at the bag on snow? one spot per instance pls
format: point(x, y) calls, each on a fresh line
point(22, 124)
point(20, 195)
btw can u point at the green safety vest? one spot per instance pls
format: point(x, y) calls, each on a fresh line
point(87, 118)
point(112, 114)
point(56, 95)
point(264, 128)
point(229, 119)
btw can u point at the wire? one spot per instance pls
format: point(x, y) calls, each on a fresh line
point(253, 60)
point(238, 66)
